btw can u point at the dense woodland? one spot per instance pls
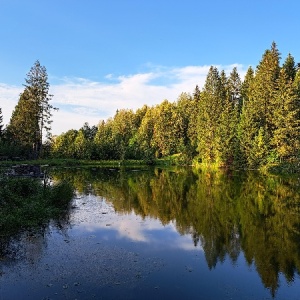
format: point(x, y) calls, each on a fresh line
point(230, 122)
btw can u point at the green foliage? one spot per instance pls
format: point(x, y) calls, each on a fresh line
point(31, 119)
point(285, 122)
point(210, 109)
point(165, 130)
point(229, 123)
point(289, 67)
point(23, 129)
point(26, 202)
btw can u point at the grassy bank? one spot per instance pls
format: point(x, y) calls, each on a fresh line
point(26, 202)
point(73, 163)
point(172, 160)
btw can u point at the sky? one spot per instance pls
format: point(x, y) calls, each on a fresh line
point(104, 55)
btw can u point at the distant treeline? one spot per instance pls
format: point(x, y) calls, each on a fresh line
point(230, 122)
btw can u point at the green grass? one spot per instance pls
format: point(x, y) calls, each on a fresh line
point(26, 202)
point(73, 162)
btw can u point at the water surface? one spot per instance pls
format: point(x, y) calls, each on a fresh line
point(164, 234)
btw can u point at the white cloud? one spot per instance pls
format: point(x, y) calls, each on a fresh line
point(147, 230)
point(81, 100)
point(9, 96)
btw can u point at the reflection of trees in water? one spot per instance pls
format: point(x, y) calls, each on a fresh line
point(225, 214)
point(29, 245)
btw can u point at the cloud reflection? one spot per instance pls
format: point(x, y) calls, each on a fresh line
point(99, 218)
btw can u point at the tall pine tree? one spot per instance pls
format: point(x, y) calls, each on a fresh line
point(38, 88)
point(210, 109)
point(285, 136)
point(256, 123)
point(227, 131)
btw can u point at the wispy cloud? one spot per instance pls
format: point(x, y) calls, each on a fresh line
point(81, 100)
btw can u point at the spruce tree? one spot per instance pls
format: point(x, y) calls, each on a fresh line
point(227, 129)
point(285, 137)
point(192, 128)
point(296, 85)
point(246, 127)
point(289, 67)
point(210, 109)
point(234, 86)
point(246, 85)
point(257, 119)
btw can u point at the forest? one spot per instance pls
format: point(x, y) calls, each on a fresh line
point(230, 122)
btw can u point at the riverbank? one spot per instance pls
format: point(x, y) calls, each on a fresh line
point(174, 160)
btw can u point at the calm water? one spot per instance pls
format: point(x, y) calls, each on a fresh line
point(162, 234)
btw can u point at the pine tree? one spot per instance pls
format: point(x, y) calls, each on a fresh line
point(38, 88)
point(234, 86)
point(210, 109)
point(296, 85)
point(192, 128)
point(246, 85)
point(196, 94)
point(246, 127)
point(256, 123)
point(285, 137)
point(227, 129)
point(23, 128)
point(289, 67)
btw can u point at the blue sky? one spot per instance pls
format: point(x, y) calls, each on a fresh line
point(102, 55)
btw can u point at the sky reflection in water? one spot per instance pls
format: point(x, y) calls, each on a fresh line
point(106, 250)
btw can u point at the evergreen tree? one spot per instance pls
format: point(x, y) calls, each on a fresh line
point(38, 89)
point(246, 85)
point(197, 93)
point(257, 119)
point(289, 67)
point(285, 137)
point(210, 109)
point(193, 122)
point(296, 85)
point(227, 131)
point(234, 87)
point(23, 128)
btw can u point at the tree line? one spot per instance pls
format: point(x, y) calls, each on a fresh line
point(229, 122)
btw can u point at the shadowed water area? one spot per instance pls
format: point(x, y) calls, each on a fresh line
point(161, 234)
